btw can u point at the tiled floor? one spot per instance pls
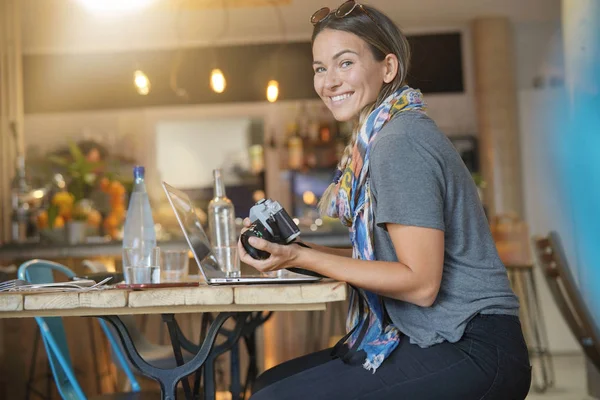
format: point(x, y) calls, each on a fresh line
point(570, 380)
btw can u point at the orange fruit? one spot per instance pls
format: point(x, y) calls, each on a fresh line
point(117, 200)
point(119, 211)
point(94, 218)
point(65, 212)
point(111, 221)
point(116, 188)
point(59, 222)
point(63, 199)
point(42, 220)
point(104, 184)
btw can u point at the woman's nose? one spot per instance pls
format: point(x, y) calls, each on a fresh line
point(332, 80)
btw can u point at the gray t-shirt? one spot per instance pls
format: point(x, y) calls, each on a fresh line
point(418, 179)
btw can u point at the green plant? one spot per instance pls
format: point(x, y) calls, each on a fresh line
point(81, 173)
point(479, 181)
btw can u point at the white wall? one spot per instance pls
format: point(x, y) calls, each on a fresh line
point(538, 49)
point(188, 151)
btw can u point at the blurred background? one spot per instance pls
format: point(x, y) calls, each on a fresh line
point(90, 88)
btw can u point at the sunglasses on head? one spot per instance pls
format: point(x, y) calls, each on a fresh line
point(342, 11)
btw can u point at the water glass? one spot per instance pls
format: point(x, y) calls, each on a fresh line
point(175, 265)
point(139, 268)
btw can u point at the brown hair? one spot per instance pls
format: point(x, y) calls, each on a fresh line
point(383, 37)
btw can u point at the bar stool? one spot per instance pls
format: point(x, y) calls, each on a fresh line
point(522, 279)
point(511, 236)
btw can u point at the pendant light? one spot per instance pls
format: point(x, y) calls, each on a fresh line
point(141, 82)
point(273, 85)
point(272, 91)
point(217, 81)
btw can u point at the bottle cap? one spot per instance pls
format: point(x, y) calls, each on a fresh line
point(138, 172)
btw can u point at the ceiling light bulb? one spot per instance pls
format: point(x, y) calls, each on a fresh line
point(272, 91)
point(217, 81)
point(141, 82)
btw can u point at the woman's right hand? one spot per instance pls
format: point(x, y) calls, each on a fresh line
point(246, 224)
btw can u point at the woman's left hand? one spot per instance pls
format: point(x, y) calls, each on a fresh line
point(282, 256)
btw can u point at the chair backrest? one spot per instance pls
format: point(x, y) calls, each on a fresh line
point(138, 338)
point(94, 266)
point(53, 330)
point(553, 261)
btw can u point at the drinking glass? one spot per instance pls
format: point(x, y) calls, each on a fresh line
point(175, 265)
point(138, 268)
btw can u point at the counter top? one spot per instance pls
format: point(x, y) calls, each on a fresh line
point(113, 249)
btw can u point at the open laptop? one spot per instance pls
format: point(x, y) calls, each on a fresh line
point(200, 246)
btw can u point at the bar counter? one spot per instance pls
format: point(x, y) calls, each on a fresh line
point(113, 249)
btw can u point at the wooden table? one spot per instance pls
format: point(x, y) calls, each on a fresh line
point(229, 301)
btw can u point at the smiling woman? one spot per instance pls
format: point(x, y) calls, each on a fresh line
point(432, 314)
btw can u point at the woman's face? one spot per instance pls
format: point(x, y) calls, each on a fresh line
point(347, 76)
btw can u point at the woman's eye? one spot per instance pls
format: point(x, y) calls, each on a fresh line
point(346, 64)
point(319, 69)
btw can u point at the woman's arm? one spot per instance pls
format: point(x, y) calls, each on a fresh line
point(329, 250)
point(415, 278)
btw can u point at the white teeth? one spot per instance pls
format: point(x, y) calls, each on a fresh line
point(341, 97)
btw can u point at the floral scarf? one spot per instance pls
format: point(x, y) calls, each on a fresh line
point(353, 206)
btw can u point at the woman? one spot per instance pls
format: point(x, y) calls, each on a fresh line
point(432, 315)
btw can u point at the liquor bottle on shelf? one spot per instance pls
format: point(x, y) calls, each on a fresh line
point(21, 213)
point(295, 147)
point(303, 121)
point(314, 125)
point(223, 233)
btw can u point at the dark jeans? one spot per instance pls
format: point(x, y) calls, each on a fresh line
point(489, 362)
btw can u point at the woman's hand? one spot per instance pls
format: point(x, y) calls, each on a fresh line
point(282, 256)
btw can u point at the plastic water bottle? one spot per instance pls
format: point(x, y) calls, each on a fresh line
point(221, 224)
point(139, 238)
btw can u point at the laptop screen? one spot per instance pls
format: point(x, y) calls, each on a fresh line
point(193, 232)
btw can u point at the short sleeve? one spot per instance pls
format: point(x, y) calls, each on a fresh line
point(408, 183)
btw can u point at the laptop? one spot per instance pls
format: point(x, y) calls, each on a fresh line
point(201, 248)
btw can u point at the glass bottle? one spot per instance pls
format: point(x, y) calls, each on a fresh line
point(221, 224)
point(21, 214)
point(139, 237)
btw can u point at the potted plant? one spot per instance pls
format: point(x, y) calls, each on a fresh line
point(480, 183)
point(71, 207)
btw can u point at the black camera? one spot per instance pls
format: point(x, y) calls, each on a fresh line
point(271, 222)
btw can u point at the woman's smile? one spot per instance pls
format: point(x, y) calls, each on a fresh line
point(340, 98)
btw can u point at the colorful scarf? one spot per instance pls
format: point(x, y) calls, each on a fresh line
point(353, 206)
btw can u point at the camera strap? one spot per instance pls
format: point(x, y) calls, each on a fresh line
point(349, 355)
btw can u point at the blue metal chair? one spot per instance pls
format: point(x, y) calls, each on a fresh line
point(160, 356)
point(54, 336)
